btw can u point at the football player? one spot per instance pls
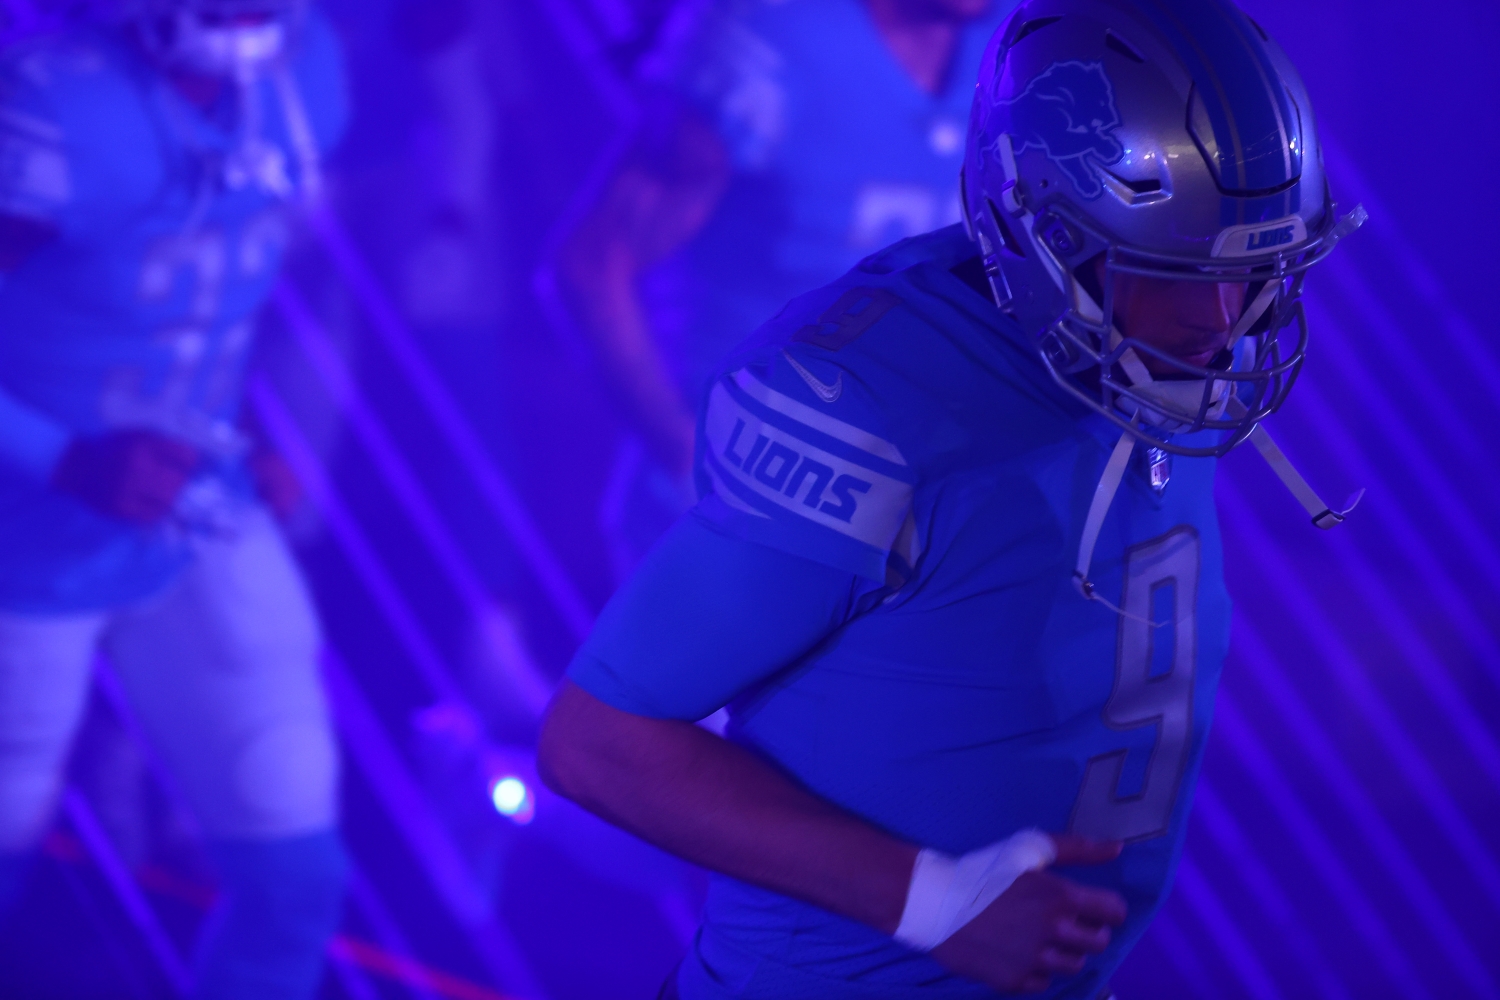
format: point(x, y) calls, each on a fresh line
point(957, 572)
point(149, 162)
point(781, 143)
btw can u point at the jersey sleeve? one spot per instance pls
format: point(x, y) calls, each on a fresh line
point(30, 443)
point(36, 177)
point(713, 60)
point(320, 71)
point(706, 617)
point(793, 455)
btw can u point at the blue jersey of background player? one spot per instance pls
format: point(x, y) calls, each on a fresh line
point(947, 598)
point(782, 142)
point(158, 228)
point(148, 168)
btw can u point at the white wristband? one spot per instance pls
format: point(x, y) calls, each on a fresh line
point(947, 892)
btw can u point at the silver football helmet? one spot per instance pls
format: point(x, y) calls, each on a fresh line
point(1169, 139)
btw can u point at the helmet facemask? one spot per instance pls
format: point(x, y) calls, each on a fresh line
point(233, 39)
point(1041, 270)
point(1156, 395)
point(1170, 140)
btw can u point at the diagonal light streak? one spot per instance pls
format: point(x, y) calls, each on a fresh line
point(1434, 676)
point(126, 891)
point(501, 498)
point(1297, 937)
point(128, 980)
point(1472, 347)
point(1333, 651)
point(589, 52)
point(1184, 956)
point(398, 791)
point(399, 477)
point(1418, 383)
point(393, 941)
point(384, 769)
point(1348, 452)
point(357, 549)
point(1376, 831)
point(1227, 937)
point(1326, 860)
point(534, 690)
point(624, 108)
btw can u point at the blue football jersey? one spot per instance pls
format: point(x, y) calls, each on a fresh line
point(170, 226)
point(836, 152)
point(910, 645)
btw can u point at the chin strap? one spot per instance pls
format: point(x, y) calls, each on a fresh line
point(1323, 516)
point(1104, 497)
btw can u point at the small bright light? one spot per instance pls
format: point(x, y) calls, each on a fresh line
point(509, 795)
point(512, 799)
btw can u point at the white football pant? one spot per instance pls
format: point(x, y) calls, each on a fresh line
point(221, 674)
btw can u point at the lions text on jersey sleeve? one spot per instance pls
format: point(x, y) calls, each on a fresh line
point(836, 152)
point(170, 226)
point(894, 426)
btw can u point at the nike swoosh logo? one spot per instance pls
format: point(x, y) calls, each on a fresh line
point(827, 393)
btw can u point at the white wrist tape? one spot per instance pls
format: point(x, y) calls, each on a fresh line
point(947, 892)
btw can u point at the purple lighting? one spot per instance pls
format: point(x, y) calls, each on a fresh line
point(469, 478)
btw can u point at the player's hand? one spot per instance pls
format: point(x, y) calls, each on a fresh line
point(1042, 927)
point(132, 475)
point(276, 483)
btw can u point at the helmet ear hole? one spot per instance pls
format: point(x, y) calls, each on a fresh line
point(1008, 238)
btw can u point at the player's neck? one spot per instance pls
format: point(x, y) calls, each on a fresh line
point(922, 40)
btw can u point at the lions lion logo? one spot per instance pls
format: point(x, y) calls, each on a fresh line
point(1069, 113)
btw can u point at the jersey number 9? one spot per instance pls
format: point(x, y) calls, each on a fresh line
point(1153, 687)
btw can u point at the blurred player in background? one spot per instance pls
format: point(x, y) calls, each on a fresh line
point(781, 143)
point(957, 570)
point(149, 162)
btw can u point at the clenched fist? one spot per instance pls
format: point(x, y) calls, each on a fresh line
point(1043, 926)
point(132, 475)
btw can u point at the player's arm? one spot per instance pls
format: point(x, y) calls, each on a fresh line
point(708, 616)
point(718, 805)
point(662, 191)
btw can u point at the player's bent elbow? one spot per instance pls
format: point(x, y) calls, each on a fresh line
point(553, 746)
point(571, 755)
